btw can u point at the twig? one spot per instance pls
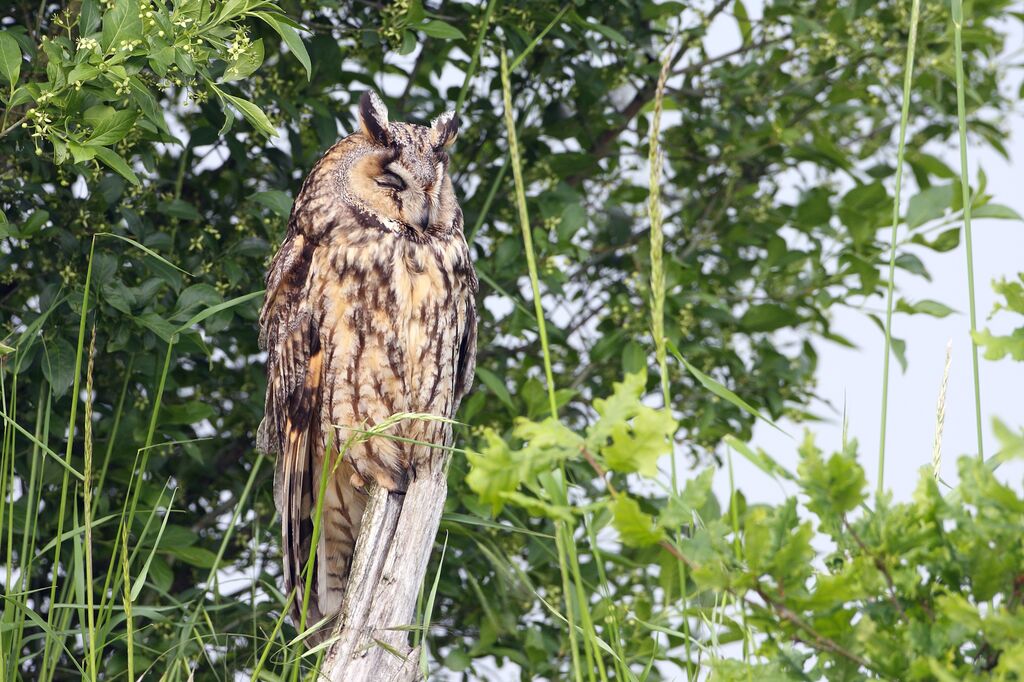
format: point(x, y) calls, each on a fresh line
point(13, 125)
point(880, 565)
point(820, 640)
point(600, 472)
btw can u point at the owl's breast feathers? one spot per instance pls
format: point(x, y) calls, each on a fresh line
point(394, 313)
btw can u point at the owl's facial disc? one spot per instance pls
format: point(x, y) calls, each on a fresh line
point(403, 186)
point(402, 175)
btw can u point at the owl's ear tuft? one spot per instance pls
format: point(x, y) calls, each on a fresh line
point(444, 129)
point(373, 118)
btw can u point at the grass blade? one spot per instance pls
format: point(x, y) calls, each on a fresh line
point(721, 391)
point(961, 110)
point(908, 77)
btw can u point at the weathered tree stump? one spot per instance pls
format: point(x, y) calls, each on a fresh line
point(390, 561)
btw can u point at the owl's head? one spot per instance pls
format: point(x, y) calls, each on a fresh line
point(401, 173)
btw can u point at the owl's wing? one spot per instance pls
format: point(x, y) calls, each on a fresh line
point(291, 424)
point(465, 362)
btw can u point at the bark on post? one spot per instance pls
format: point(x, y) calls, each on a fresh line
point(390, 561)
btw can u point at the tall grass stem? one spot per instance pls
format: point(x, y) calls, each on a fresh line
point(908, 78)
point(524, 222)
point(965, 189)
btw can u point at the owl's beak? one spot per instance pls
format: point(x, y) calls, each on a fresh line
point(426, 210)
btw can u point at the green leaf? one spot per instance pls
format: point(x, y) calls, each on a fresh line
point(10, 58)
point(1013, 292)
point(122, 23)
point(899, 349)
point(925, 307)
point(998, 347)
point(158, 325)
point(253, 114)
point(291, 38)
point(229, 9)
point(110, 128)
point(777, 543)
point(681, 507)
point(162, 59)
point(59, 365)
point(140, 581)
point(739, 11)
point(195, 296)
point(929, 205)
point(229, 119)
point(496, 385)
point(409, 43)
point(34, 223)
point(835, 486)
point(494, 470)
point(898, 346)
point(277, 201)
point(22, 95)
point(537, 507)
point(636, 529)
point(637, 447)
point(89, 17)
point(608, 32)
point(946, 241)
point(220, 307)
point(766, 317)
point(195, 556)
point(547, 434)
point(145, 249)
point(621, 405)
point(246, 63)
point(435, 28)
point(82, 73)
point(498, 469)
point(114, 160)
point(186, 413)
point(178, 208)
point(912, 263)
point(864, 209)
point(415, 13)
point(995, 211)
point(931, 165)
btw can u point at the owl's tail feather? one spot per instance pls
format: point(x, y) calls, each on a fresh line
point(341, 514)
point(343, 506)
point(294, 497)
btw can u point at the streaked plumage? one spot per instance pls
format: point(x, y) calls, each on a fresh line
point(369, 312)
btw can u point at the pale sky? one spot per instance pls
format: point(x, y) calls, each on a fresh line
point(853, 377)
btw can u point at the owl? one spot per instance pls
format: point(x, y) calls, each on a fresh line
point(369, 312)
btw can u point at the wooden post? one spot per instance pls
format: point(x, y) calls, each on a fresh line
point(390, 561)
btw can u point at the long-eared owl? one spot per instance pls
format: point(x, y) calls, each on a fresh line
point(369, 312)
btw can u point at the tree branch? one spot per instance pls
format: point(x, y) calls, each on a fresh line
point(602, 145)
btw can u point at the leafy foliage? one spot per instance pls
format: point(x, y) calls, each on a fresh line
point(149, 153)
point(907, 591)
point(996, 346)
